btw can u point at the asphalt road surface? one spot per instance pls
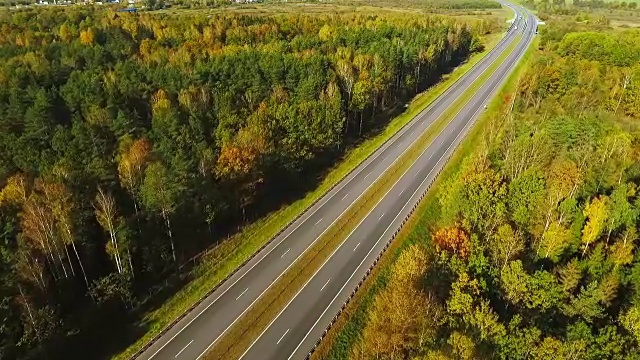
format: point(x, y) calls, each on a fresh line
point(293, 331)
point(292, 334)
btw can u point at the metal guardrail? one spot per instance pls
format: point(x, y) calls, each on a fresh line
point(400, 132)
point(468, 128)
point(386, 246)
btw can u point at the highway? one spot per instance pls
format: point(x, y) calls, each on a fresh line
point(298, 326)
point(302, 322)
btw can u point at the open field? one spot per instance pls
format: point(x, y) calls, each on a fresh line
point(586, 16)
point(464, 8)
point(597, 18)
point(270, 9)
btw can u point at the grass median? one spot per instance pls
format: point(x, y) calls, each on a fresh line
point(219, 262)
point(240, 336)
point(347, 329)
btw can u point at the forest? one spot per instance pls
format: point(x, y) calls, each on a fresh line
point(532, 251)
point(131, 142)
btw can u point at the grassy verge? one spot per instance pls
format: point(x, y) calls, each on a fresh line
point(248, 328)
point(347, 329)
point(222, 260)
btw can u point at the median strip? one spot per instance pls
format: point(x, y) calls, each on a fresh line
point(218, 263)
point(240, 336)
point(346, 331)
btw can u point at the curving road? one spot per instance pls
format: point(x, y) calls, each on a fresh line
point(294, 331)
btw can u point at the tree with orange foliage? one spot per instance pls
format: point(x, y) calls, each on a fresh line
point(453, 239)
point(239, 161)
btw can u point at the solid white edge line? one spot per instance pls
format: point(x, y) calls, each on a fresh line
point(418, 188)
point(302, 253)
point(268, 287)
point(381, 150)
point(394, 140)
point(440, 133)
point(346, 238)
point(366, 256)
point(362, 166)
point(183, 349)
point(332, 253)
point(336, 249)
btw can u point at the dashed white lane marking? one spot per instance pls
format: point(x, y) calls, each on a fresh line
point(366, 176)
point(178, 354)
point(380, 217)
point(281, 337)
point(344, 197)
point(401, 192)
point(325, 284)
point(354, 249)
point(285, 253)
point(245, 290)
point(318, 222)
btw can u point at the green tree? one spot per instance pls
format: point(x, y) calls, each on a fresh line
point(161, 193)
point(631, 321)
point(620, 211)
point(505, 245)
point(526, 194)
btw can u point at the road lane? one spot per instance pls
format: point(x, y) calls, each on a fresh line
point(196, 332)
point(306, 316)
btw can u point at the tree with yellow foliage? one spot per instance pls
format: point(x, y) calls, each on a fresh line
point(87, 36)
point(596, 214)
point(402, 314)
